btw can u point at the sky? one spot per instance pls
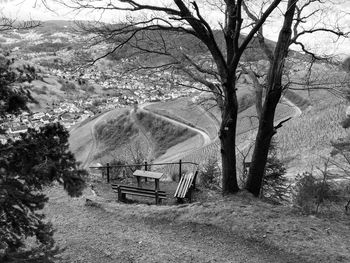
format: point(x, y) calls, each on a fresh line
point(36, 10)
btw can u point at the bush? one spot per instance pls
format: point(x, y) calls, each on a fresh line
point(88, 88)
point(311, 192)
point(68, 86)
point(41, 91)
point(210, 173)
point(116, 172)
point(275, 184)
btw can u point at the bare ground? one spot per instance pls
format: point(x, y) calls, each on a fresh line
point(233, 229)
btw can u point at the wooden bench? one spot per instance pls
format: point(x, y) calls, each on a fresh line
point(186, 184)
point(123, 190)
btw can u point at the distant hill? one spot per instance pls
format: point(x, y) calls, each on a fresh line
point(188, 42)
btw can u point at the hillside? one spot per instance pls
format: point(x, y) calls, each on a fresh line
point(222, 229)
point(59, 56)
point(125, 136)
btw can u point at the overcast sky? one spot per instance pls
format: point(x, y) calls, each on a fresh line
point(34, 9)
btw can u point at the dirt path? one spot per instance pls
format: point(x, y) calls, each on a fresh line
point(205, 139)
point(129, 233)
point(149, 141)
point(93, 147)
point(297, 110)
point(205, 136)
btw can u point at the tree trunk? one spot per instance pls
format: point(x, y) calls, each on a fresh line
point(262, 144)
point(274, 90)
point(228, 143)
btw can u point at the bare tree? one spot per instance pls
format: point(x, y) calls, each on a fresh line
point(177, 38)
point(290, 33)
point(10, 24)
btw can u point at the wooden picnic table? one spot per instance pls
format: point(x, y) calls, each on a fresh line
point(148, 174)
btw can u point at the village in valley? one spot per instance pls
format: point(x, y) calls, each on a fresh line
point(83, 92)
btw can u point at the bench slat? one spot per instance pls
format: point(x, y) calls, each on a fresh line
point(179, 186)
point(184, 185)
point(160, 196)
point(188, 185)
point(140, 191)
point(122, 190)
point(115, 187)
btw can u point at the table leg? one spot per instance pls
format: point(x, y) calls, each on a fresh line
point(157, 184)
point(138, 181)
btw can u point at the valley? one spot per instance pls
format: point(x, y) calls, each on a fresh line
point(85, 96)
point(176, 132)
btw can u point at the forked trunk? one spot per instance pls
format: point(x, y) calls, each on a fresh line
point(274, 91)
point(262, 144)
point(228, 143)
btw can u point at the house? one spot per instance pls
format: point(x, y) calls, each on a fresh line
point(45, 119)
point(58, 110)
point(18, 129)
point(67, 117)
point(38, 115)
point(3, 139)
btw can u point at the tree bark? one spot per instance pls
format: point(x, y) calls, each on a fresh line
point(263, 139)
point(227, 137)
point(274, 91)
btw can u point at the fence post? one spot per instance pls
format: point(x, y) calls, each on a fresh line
point(180, 172)
point(108, 172)
point(146, 170)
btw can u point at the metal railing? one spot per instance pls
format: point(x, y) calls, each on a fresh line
point(180, 166)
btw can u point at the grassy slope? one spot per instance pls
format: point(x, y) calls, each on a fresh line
point(115, 135)
point(222, 229)
point(183, 110)
point(82, 139)
point(164, 133)
point(115, 132)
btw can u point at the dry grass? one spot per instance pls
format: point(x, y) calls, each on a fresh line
point(213, 229)
point(82, 139)
point(114, 133)
point(164, 133)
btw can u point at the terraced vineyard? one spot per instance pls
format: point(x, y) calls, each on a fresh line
point(208, 121)
point(247, 119)
point(307, 138)
point(187, 112)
